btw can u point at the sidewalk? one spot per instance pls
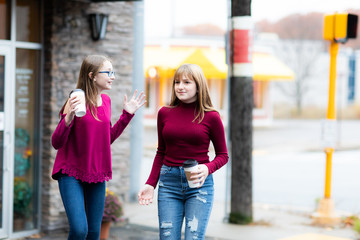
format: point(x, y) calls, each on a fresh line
point(270, 223)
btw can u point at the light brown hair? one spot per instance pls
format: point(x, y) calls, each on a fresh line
point(203, 100)
point(91, 64)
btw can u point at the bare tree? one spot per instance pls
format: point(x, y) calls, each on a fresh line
point(296, 26)
point(300, 56)
point(203, 30)
point(300, 46)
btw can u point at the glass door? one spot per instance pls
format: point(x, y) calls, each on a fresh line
point(26, 212)
point(6, 141)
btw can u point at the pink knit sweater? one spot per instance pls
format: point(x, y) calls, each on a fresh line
point(84, 146)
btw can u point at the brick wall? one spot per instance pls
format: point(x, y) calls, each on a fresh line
point(67, 40)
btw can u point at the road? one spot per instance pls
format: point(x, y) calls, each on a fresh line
point(289, 165)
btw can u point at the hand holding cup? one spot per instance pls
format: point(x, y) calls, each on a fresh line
point(195, 173)
point(80, 110)
point(201, 175)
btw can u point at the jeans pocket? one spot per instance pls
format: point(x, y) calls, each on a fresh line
point(164, 169)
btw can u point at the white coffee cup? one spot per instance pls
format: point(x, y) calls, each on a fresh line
point(189, 166)
point(81, 108)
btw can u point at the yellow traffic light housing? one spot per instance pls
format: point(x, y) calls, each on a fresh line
point(339, 27)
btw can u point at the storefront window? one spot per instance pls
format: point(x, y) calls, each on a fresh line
point(5, 19)
point(28, 20)
point(26, 159)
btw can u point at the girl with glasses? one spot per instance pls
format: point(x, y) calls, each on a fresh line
point(83, 159)
point(185, 129)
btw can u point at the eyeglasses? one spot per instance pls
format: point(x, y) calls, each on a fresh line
point(109, 73)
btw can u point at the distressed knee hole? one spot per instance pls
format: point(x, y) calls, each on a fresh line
point(201, 199)
point(202, 192)
point(193, 224)
point(167, 234)
point(166, 225)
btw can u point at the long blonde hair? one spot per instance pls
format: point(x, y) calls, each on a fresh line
point(203, 100)
point(91, 64)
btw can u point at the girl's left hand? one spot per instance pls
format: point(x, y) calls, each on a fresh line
point(135, 102)
point(201, 174)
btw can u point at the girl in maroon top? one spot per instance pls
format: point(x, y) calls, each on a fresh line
point(185, 129)
point(83, 161)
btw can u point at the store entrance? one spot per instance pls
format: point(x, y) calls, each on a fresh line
point(6, 141)
point(19, 141)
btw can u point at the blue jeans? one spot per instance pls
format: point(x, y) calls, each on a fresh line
point(84, 206)
point(177, 200)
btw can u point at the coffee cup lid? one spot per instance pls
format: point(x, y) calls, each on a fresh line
point(76, 90)
point(190, 163)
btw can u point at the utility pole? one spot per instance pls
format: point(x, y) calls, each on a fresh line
point(241, 107)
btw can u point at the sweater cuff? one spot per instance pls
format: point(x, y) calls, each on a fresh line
point(127, 113)
point(208, 165)
point(62, 116)
point(151, 183)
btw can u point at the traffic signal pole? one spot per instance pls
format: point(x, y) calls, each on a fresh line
point(338, 28)
point(331, 115)
point(325, 214)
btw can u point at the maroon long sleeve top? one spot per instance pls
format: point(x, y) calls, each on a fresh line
point(180, 138)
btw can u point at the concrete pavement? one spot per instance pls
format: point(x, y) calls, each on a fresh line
point(271, 221)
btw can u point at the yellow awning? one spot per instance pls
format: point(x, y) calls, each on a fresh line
point(168, 57)
point(266, 67)
point(210, 69)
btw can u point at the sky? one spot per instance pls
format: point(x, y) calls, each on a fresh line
point(162, 16)
point(281, 8)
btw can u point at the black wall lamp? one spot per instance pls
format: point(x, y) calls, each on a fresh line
point(98, 21)
point(98, 24)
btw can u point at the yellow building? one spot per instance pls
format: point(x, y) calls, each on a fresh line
point(160, 63)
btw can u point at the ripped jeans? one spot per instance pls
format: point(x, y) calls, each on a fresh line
point(176, 201)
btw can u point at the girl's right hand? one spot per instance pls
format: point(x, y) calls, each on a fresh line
point(146, 194)
point(70, 109)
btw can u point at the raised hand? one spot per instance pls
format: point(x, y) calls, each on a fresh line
point(134, 103)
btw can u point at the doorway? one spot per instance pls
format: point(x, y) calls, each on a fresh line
point(6, 141)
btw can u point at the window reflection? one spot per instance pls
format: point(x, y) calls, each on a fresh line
point(2, 81)
point(1, 176)
point(5, 19)
point(25, 153)
point(2, 78)
point(28, 20)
